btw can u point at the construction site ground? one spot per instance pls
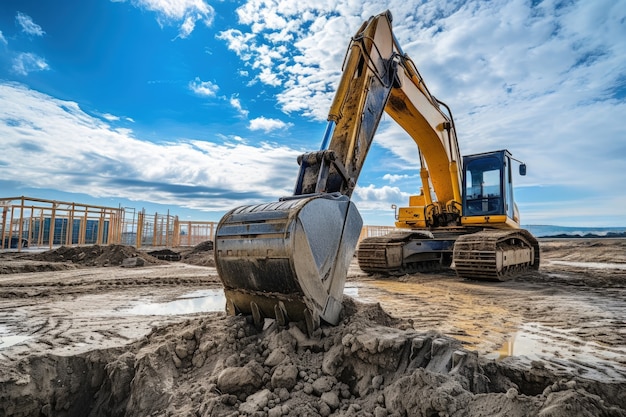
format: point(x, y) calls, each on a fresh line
point(82, 335)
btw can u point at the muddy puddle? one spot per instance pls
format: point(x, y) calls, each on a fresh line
point(591, 265)
point(8, 339)
point(201, 301)
point(534, 342)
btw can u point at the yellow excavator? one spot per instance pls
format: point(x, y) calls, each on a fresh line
point(289, 259)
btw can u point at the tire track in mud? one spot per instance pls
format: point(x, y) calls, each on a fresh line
point(73, 311)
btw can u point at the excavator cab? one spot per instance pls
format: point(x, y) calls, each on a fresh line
point(488, 188)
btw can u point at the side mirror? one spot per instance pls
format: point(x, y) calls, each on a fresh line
point(522, 169)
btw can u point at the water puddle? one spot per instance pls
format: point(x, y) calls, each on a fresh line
point(594, 265)
point(7, 339)
point(201, 301)
point(536, 341)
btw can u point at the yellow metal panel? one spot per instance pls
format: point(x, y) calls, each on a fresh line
point(500, 221)
point(417, 200)
point(411, 217)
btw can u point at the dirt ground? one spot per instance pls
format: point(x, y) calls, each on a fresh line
point(112, 331)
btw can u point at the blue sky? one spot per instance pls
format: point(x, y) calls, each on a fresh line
point(200, 106)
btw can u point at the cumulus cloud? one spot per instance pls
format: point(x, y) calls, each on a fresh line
point(27, 62)
point(65, 146)
point(28, 26)
point(267, 125)
point(392, 178)
point(371, 197)
point(203, 88)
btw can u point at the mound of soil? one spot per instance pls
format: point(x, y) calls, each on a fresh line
point(201, 254)
point(96, 255)
point(165, 255)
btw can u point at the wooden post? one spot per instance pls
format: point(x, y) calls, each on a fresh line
point(139, 228)
point(40, 237)
point(52, 224)
point(155, 229)
point(100, 227)
point(83, 228)
point(20, 225)
point(70, 226)
point(4, 226)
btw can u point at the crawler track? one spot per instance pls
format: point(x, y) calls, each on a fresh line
point(401, 253)
point(495, 255)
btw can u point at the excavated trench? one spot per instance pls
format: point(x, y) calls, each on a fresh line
point(371, 364)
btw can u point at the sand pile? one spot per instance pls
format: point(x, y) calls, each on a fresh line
point(201, 254)
point(96, 255)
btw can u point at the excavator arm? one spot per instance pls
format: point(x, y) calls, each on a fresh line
point(368, 77)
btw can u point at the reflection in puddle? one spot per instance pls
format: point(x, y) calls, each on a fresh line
point(351, 292)
point(201, 301)
point(595, 265)
point(7, 339)
point(534, 341)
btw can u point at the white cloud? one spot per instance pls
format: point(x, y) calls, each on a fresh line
point(267, 125)
point(395, 177)
point(371, 197)
point(63, 145)
point(186, 13)
point(237, 42)
point(203, 88)
point(3, 39)
point(236, 103)
point(111, 117)
point(27, 62)
point(28, 26)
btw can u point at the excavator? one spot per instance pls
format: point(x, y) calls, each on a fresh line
point(288, 260)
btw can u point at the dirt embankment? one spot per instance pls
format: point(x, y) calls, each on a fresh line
point(90, 363)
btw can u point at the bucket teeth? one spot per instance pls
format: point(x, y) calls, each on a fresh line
point(280, 312)
point(256, 315)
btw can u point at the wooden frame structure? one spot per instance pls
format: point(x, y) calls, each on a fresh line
point(41, 223)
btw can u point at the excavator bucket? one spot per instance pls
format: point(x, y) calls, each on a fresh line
point(289, 259)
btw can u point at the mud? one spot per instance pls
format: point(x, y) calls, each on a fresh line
point(421, 345)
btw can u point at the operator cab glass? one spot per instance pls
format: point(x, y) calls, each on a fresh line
point(484, 184)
